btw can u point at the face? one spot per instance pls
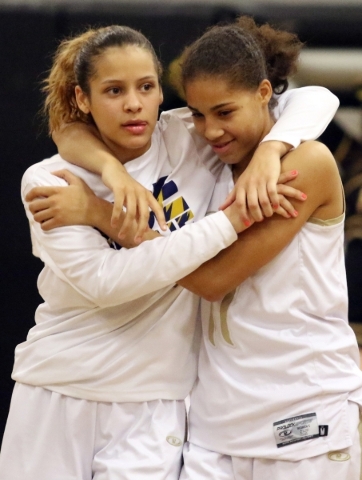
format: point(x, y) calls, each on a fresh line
point(124, 98)
point(232, 120)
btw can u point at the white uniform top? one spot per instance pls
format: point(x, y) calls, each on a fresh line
point(112, 326)
point(278, 357)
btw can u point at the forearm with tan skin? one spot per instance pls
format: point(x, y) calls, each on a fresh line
point(319, 179)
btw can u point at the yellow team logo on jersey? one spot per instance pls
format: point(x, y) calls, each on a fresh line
point(177, 212)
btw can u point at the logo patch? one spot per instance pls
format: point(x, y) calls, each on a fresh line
point(295, 429)
point(339, 456)
point(174, 441)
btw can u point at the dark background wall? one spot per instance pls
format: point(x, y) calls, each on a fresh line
point(27, 40)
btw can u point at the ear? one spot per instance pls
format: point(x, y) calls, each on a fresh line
point(265, 91)
point(161, 96)
point(82, 100)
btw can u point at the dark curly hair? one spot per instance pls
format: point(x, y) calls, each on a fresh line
point(244, 54)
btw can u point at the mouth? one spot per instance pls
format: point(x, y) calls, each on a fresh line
point(221, 147)
point(136, 127)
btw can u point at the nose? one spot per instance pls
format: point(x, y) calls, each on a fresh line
point(132, 102)
point(212, 130)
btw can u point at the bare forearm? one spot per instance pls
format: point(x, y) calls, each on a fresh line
point(279, 148)
point(80, 144)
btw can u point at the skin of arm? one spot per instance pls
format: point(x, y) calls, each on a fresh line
point(263, 241)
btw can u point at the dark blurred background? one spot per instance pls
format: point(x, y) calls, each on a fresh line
point(29, 33)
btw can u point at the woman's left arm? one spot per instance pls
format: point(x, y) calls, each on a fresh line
point(264, 240)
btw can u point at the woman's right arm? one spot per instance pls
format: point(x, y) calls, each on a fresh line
point(80, 144)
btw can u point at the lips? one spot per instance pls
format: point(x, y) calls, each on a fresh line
point(220, 148)
point(136, 127)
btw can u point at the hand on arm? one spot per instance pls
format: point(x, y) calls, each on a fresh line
point(256, 188)
point(263, 241)
point(58, 206)
point(80, 144)
point(302, 114)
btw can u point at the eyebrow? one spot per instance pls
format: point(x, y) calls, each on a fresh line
point(216, 107)
point(115, 80)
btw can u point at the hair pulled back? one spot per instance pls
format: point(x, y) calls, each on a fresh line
point(74, 64)
point(244, 54)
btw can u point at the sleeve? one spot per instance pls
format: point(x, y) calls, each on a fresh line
point(302, 114)
point(82, 257)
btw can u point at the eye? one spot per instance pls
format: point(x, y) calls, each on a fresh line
point(196, 114)
point(114, 90)
point(224, 113)
point(146, 87)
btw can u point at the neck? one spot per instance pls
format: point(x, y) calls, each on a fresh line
point(125, 155)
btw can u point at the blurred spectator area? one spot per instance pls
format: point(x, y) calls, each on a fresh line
point(29, 33)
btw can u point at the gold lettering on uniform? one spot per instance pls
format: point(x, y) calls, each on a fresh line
point(223, 319)
point(225, 304)
point(212, 326)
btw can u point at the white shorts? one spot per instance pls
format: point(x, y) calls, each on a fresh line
point(49, 436)
point(202, 464)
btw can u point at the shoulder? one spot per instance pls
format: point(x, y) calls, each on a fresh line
point(41, 173)
point(311, 156)
point(318, 177)
point(182, 114)
point(38, 170)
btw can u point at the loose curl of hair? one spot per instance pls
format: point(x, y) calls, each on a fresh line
point(244, 54)
point(74, 64)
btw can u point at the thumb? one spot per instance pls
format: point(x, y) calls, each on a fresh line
point(68, 176)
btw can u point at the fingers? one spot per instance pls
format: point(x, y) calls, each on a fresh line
point(273, 195)
point(136, 212)
point(228, 200)
point(143, 214)
point(39, 204)
point(291, 192)
point(286, 209)
point(117, 211)
point(41, 192)
point(44, 213)
point(287, 176)
point(68, 176)
point(240, 203)
point(157, 210)
point(130, 214)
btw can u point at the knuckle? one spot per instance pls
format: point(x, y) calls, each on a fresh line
point(254, 207)
point(264, 202)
